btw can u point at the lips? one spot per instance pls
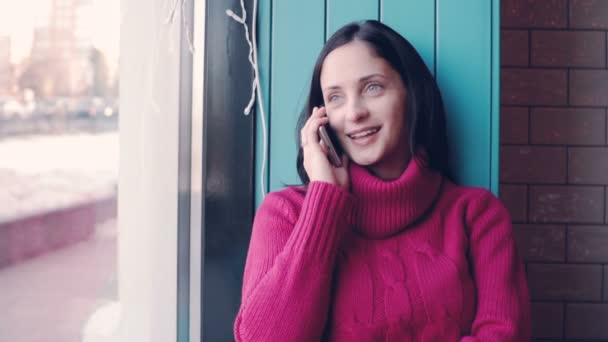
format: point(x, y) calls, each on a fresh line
point(365, 136)
point(362, 133)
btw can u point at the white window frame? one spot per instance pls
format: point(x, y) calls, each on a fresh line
point(149, 131)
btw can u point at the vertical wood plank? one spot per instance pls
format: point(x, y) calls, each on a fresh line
point(342, 12)
point(495, 99)
point(297, 37)
point(464, 74)
point(415, 20)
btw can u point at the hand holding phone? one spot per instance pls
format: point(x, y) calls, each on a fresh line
point(328, 138)
point(322, 154)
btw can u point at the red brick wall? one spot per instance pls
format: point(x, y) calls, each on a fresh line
point(554, 158)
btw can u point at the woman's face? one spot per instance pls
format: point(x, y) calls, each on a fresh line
point(365, 100)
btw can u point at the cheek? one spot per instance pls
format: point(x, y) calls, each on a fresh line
point(398, 124)
point(336, 122)
point(398, 113)
point(338, 128)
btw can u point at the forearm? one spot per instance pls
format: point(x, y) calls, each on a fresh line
point(289, 304)
point(290, 300)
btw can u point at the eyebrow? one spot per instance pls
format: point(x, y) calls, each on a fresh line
point(361, 80)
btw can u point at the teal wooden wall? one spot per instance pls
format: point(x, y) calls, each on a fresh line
point(459, 41)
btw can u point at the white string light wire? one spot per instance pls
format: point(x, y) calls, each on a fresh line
point(255, 88)
point(171, 16)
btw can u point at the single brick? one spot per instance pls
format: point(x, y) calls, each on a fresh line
point(588, 165)
point(588, 244)
point(592, 14)
point(533, 87)
point(547, 320)
point(571, 126)
point(534, 13)
point(589, 87)
point(514, 125)
point(565, 282)
point(566, 204)
point(515, 198)
point(568, 49)
point(531, 164)
point(514, 47)
point(586, 321)
point(605, 283)
point(539, 242)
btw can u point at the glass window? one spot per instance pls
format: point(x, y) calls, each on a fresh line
point(59, 147)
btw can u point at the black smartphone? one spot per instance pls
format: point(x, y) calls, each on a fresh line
point(334, 150)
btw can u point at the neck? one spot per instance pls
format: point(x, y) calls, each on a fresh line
point(390, 169)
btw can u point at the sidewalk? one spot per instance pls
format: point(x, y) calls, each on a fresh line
point(50, 297)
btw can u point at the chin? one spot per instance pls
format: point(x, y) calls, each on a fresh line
point(363, 160)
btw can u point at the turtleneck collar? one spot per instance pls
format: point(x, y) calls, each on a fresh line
point(384, 208)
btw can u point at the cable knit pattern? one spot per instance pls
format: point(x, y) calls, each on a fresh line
point(413, 259)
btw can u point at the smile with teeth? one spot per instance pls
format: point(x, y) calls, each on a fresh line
point(364, 133)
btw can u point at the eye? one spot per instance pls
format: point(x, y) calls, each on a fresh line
point(333, 98)
point(374, 88)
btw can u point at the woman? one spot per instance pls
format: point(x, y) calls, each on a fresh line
point(385, 247)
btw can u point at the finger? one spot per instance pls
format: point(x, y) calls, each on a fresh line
point(312, 126)
point(309, 117)
point(320, 112)
point(312, 116)
point(315, 123)
point(309, 132)
point(312, 131)
point(304, 129)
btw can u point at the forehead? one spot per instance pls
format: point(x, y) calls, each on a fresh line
point(350, 62)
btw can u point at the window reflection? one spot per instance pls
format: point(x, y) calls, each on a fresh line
point(59, 113)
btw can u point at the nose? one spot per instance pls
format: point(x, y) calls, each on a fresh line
point(357, 110)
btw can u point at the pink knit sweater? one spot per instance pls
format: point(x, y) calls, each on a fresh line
point(413, 259)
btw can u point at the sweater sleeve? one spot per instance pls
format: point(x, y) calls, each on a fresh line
point(290, 261)
point(503, 305)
